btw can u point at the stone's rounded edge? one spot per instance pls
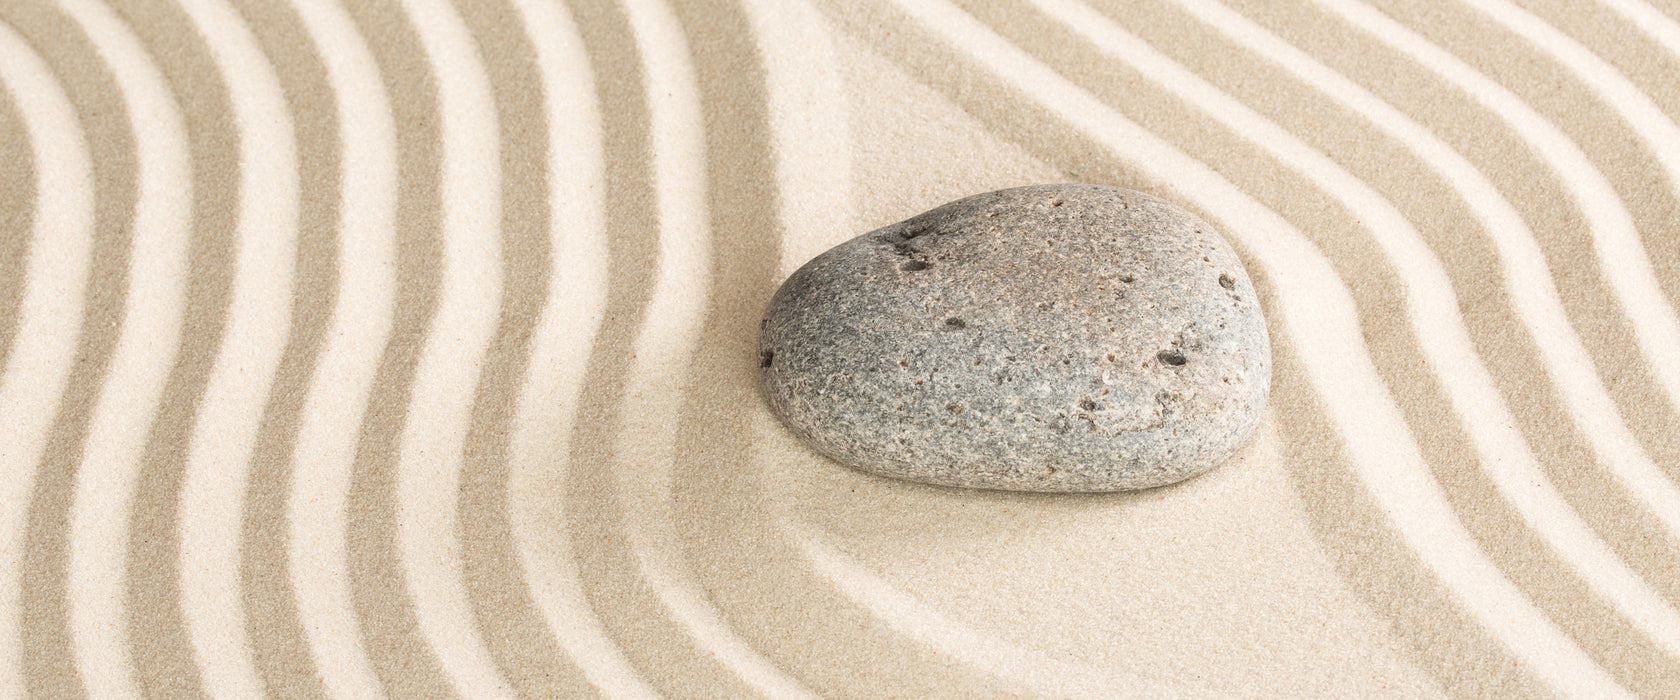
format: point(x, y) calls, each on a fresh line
point(878, 263)
point(1028, 485)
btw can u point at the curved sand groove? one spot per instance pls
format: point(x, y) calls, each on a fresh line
point(1650, 20)
point(1021, 669)
point(1025, 670)
point(391, 635)
point(1370, 424)
point(361, 322)
point(135, 380)
point(1621, 255)
point(17, 212)
point(509, 620)
point(49, 665)
point(572, 315)
point(1586, 397)
point(1434, 315)
point(429, 471)
point(666, 341)
point(808, 124)
point(44, 347)
point(1042, 674)
point(224, 435)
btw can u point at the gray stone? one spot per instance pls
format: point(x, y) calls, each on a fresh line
point(1043, 338)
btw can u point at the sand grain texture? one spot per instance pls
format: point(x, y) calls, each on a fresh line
point(408, 347)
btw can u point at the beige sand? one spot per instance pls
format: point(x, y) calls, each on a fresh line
point(406, 347)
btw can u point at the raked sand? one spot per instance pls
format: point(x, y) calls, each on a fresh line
point(406, 347)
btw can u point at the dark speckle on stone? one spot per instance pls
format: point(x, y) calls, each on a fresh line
point(1033, 277)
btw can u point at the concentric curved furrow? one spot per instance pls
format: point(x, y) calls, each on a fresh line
point(279, 650)
point(1445, 349)
point(148, 366)
point(159, 625)
point(361, 348)
point(48, 665)
point(41, 330)
point(1443, 341)
point(1629, 273)
point(1401, 486)
point(18, 210)
point(1616, 442)
point(1511, 237)
point(570, 317)
point(517, 638)
point(1560, 233)
point(213, 488)
point(432, 443)
point(312, 591)
point(1624, 446)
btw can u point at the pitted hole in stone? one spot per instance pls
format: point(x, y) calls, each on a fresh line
point(766, 358)
point(1088, 404)
point(914, 266)
point(955, 323)
point(954, 407)
point(1226, 282)
point(1171, 357)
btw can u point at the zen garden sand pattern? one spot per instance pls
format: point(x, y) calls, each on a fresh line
point(407, 348)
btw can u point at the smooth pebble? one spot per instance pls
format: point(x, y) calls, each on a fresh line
point(1067, 338)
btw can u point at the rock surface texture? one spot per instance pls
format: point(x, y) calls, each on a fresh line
point(1043, 338)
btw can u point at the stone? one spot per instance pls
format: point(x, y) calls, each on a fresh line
point(1065, 338)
